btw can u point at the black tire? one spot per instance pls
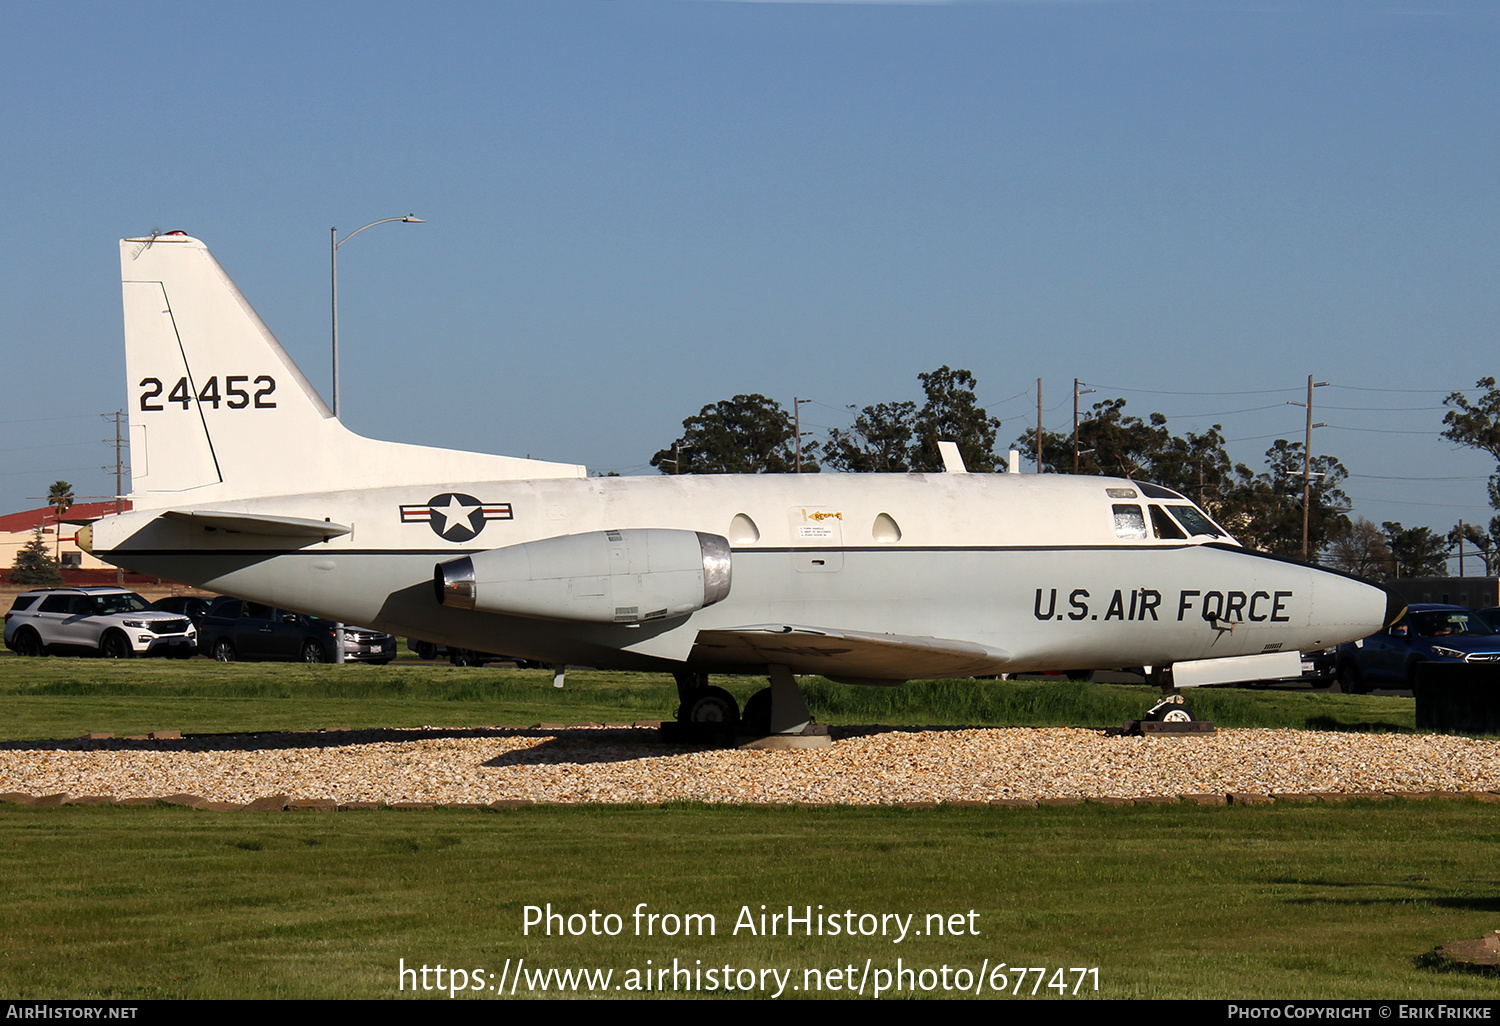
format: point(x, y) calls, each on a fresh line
point(312, 652)
point(755, 721)
point(460, 657)
point(379, 662)
point(1080, 675)
point(115, 645)
point(28, 643)
point(426, 650)
point(224, 651)
point(1350, 680)
point(711, 706)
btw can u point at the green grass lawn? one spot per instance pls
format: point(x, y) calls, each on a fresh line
point(1165, 901)
point(68, 697)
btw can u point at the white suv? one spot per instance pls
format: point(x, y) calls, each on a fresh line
point(111, 622)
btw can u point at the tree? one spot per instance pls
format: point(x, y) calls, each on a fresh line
point(1265, 510)
point(34, 565)
point(880, 441)
point(1361, 550)
point(952, 413)
point(1114, 443)
point(1485, 545)
point(748, 434)
point(60, 498)
point(1110, 442)
point(898, 437)
point(1476, 425)
point(1416, 551)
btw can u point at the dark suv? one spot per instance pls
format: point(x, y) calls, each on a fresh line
point(238, 629)
point(1427, 633)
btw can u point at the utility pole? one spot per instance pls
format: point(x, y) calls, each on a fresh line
point(677, 448)
point(119, 476)
point(1038, 425)
point(1307, 474)
point(1076, 393)
point(1460, 548)
point(797, 427)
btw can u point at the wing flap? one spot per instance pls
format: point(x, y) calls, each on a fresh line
point(853, 656)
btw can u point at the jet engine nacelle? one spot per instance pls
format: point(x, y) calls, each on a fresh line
point(601, 577)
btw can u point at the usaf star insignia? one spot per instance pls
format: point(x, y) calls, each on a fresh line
point(454, 516)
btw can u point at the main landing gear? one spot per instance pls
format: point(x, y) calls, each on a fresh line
point(773, 717)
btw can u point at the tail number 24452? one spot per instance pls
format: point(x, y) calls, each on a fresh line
point(234, 397)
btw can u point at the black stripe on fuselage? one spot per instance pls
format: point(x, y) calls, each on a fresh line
point(455, 553)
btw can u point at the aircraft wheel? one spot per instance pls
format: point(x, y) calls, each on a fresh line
point(1080, 675)
point(312, 652)
point(28, 643)
point(224, 650)
point(115, 645)
point(460, 657)
point(756, 719)
point(426, 650)
point(711, 705)
point(1173, 712)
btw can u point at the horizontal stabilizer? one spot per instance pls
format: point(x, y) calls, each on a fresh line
point(258, 523)
point(853, 656)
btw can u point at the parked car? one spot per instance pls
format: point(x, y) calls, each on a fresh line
point(194, 607)
point(238, 629)
point(110, 622)
point(1427, 633)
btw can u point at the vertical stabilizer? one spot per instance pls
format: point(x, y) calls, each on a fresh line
point(218, 410)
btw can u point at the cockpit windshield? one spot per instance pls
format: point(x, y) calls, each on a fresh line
point(1193, 519)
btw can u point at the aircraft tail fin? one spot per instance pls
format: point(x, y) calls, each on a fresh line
point(219, 410)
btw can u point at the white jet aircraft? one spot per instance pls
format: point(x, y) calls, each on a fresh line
point(243, 482)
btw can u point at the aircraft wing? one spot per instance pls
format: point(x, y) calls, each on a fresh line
point(258, 523)
point(853, 657)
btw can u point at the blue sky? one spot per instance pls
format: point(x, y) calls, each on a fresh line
point(638, 208)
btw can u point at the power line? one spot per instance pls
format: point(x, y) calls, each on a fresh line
point(1379, 477)
point(1380, 431)
point(1408, 391)
point(1223, 413)
point(1158, 391)
point(47, 420)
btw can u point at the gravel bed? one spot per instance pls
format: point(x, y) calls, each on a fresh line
point(865, 766)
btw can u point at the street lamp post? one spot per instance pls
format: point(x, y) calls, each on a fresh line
point(334, 243)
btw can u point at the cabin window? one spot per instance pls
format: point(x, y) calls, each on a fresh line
point(742, 530)
point(1195, 522)
point(885, 529)
point(1163, 525)
point(1130, 522)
